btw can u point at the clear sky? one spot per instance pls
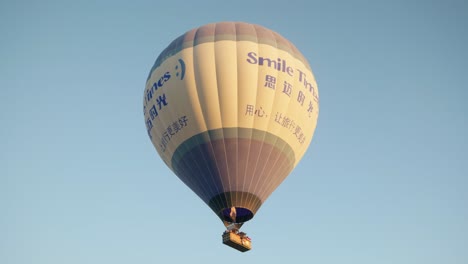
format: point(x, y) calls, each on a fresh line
point(385, 179)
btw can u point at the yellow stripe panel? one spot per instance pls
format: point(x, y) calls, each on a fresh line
point(247, 82)
point(226, 75)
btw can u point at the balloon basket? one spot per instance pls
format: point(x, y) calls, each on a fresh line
point(237, 240)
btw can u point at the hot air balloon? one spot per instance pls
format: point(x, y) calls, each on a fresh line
point(231, 108)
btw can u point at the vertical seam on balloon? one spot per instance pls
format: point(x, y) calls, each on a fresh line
point(304, 146)
point(281, 175)
point(222, 127)
point(236, 183)
point(251, 132)
point(205, 188)
point(259, 177)
point(211, 146)
point(271, 176)
point(200, 183)
point(216, 190)
point(263, 141)
point(189, 174)
point(296, 159)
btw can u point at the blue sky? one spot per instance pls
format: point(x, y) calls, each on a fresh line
point(384, 180)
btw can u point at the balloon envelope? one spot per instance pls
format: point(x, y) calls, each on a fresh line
point(231, 108)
